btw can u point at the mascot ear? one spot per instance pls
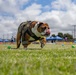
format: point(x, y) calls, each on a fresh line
point(40, 24)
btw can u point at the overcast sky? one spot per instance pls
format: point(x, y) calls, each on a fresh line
point(59, 14)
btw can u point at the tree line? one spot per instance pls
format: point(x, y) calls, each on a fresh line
point(60, 34)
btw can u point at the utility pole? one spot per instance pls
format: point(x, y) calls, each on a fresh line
point(3, 36)
point(7, 36)
point(74, 31)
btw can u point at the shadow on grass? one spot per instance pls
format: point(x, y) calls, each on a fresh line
point(34, 48)
point(27, 48)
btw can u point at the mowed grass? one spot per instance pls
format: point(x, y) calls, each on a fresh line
point(53, 59)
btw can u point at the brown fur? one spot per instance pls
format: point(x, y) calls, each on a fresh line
point(43, 40)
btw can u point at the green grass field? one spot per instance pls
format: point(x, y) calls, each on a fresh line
point(53, 59)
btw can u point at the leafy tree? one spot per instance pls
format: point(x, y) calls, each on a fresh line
point(53, 35)
point(60, 34)
point(69, 36)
